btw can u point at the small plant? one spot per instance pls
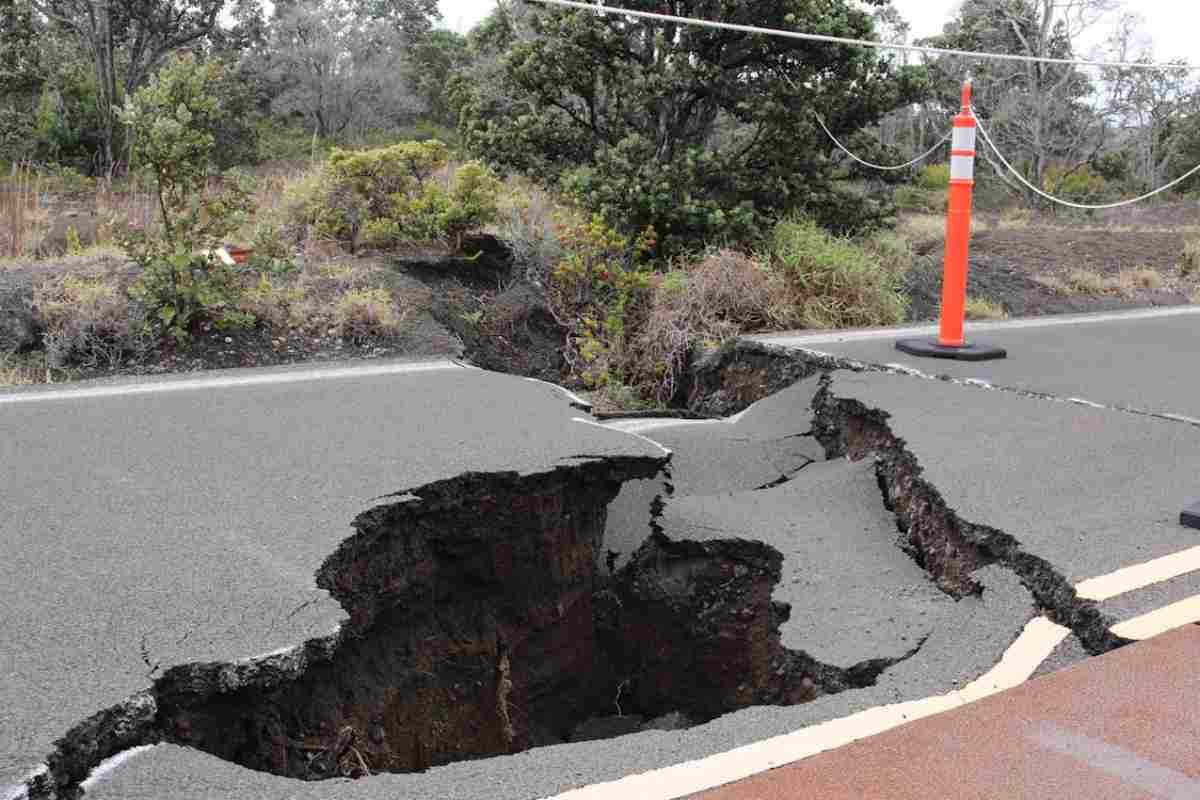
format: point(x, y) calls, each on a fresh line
point(979, 308)
point(271, 301)
point(365, 314)
point(74, 246)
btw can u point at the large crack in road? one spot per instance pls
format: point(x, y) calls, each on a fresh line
point(482, 619)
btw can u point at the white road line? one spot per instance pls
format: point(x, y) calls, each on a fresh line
point(666, 450)
point(109, 765)
point(1140, 576)
point(1035, 643)
point(230, 381)
point(1161, 620)
point(804, 339)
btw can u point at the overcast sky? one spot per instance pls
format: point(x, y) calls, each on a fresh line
point(1171, 23)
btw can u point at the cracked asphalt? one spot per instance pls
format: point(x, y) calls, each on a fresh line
point(158, 529)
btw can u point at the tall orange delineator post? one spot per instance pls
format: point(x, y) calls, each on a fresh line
point(951, 343)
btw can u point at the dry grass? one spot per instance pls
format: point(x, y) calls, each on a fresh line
point(364, 314)
point(1196, 296)
point(90, 322)
point(1131, 280)
point(924, 231)
point(20, 213)
point(1189, 262)
point(979, 308)
point(1088, 282)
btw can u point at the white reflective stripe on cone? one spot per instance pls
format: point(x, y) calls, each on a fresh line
point(962, 168)
point(964, 138)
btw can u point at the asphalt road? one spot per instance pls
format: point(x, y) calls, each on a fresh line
point(1141, 360)
point(259, 482)
point(154, 524)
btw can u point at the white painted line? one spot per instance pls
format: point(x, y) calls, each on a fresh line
point(230, 381)
point(802, 339)
point(657, 423)
point(578, 401)
point(1161, 620)
point(1140, 576)
point(666, 450)
point(1022, 658)
point(110, 765)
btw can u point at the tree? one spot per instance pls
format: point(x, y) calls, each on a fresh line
point(1042, 114)
point(699, 133)
point(435, 59)
point(173, 119)
point(126, 41)
point(338, 69)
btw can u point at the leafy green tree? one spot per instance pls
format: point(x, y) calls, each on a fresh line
point(434, 62)
point(702, 134)
point(172, 121)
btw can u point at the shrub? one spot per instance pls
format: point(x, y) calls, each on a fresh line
point(89, 322)
point(364, 314)
point(835, 282)
point(390, 196)
point(912, 198)
point(1080, 185)
point(525, 224)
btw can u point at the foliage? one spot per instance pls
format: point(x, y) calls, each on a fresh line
point(272, 301)
point(935, 177)
point(704, 135)
point(1189, 263)
point(1079, 185)
point(89, 322)
point(172, 118)
point(596, 289)
point(834, 282)
point(391, 196)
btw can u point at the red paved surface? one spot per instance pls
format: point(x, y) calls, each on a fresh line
point(1125, 726)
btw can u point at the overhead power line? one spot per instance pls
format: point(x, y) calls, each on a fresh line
point(818, 37)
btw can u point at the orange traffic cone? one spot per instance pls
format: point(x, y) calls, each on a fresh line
point(951, 342)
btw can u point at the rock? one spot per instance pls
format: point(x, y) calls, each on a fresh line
point(20, 328)
point(54, 243)
point(606, 728)
point(674, 721)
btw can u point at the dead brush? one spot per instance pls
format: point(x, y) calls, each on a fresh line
point(19, 212)
point(702, 305)
point(1189, 262)
point(90, 322)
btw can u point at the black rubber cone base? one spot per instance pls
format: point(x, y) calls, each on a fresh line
point(929, 348)
point(1190, 517)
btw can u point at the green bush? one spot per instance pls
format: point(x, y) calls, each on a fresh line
point(392, 195)
point(836, 283)
point(1080, 185)
point(912, 198)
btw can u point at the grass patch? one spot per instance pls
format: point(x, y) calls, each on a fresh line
point(835, 282)
point(1088, 282)
point(925, 232)
point(90, 322)
point(1189, 262)
point(979, 308)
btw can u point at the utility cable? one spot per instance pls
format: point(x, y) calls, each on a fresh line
point(818, 37)
point(865, 163)
point(1068, 203)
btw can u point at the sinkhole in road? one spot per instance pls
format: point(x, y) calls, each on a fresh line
point(482, 621)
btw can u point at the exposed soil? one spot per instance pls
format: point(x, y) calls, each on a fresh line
point(1009, 267)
